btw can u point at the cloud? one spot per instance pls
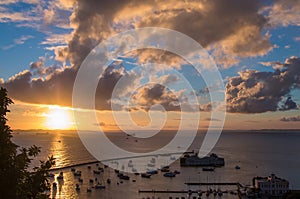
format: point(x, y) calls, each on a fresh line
point(290, 119)
point(148, 96)
point(168, 79)
point(211, 24)
point(56, 39)
point(55, 89)
point(54, 85)
point(49, 16)
point(211, 119)
point(56, 16)
point(21, 17)
point(18, 41)
point(246, 42)
point(257, 92)
point(288, 105)
point(287, 46)
point(106, 85)
point(284, 13)
point(7, 2)
point(39, 68)
point(275, 64)
point(65, 4)
point(230, 29)
point(297, 38)
point(22, 39)
point(168, 59)
point(250, 92)
point(59, 51)
point(141, 98)
point(206, 107)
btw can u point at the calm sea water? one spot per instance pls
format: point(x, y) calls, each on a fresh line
point(257, 153)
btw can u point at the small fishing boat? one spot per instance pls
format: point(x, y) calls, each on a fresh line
point(77, 188)
point(169, 174)
point(123, 177)
point(208, 169)
point(88, 190)
point(177, 172)
point(152, 172)
point(77, 173)
point(165, 169)
point(99, 186)
point(96, 172)
point(145, 175)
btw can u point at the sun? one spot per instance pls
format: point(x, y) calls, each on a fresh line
point(58, 118)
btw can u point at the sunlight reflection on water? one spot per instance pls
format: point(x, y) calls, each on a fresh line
point(254, 152)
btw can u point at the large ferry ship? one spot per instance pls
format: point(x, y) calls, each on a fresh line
point(194, 160)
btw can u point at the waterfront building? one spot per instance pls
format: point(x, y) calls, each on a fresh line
point(271, 185)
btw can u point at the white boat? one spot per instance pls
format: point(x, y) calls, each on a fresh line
point(151, 165)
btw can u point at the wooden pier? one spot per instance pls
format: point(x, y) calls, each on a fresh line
point(74, 165)
point(239, 185)
point(166, 191)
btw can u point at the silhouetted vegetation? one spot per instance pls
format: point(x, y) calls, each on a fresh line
point(16, 180)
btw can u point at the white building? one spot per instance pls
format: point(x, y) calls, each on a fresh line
point(272, 185)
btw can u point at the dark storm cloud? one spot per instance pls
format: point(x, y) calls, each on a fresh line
point(56, 89)
point(210, 21)
point(93, 21)
point(106, 86)
point(258, 92)
point(156, 94)
point(236, 25)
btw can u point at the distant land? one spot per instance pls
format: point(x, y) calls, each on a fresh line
point(201, 130)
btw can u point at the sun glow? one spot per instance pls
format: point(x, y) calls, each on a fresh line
point(59, 118)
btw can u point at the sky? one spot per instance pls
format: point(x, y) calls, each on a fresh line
point(255, 45)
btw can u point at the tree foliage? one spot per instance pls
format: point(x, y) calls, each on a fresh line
point(16, 180)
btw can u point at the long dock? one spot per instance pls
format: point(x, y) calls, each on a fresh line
point(153, 191)
point(166, 191)
point(239, 185)
point(115, 159)
point(74, 165)
point(215, 183)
